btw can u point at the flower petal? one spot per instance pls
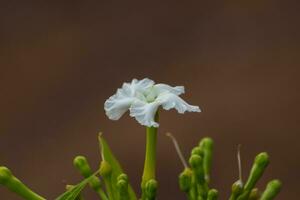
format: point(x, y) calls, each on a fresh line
point(120, 102)
point(144, 112)
point(169, 100)
point(116, 106)
point(161, 88)
point(137, 86)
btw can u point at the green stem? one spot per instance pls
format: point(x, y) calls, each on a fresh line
point(150, 157)
point(102, 194)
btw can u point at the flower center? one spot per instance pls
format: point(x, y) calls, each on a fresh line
point(151, 96)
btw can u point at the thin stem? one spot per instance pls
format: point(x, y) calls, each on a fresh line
point(177, 148)
point(239, 163)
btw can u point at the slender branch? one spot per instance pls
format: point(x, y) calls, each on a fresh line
point(177, 148)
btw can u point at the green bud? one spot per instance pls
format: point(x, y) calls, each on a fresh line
point(95, 183)
point(185, 180)
point(151, 189)
point(197, 151)
point(254, 194)
point(206, 144)
point(212, 194)
point(272, 189)
point(236, 190)
point(122, 187)
point(122, 177)
point(15, 185)
point(105, 172)
point(69, 187)
point(81, 163)
point(196, 163)
point(260, 163)
point(5, 175)
point(105, 169)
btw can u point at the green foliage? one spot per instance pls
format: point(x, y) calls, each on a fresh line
point(74, 192)
point(116, 169)
point(194, 180)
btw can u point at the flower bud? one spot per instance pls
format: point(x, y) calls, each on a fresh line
point(212, 194)
point(236, 190)
point(185, 180)
point(272, 189)
point(122, 188)
point(196, 163)
point(254, 194)
point(151, 189)
point(206, 144)
point(260, 163)
point(197, 151)
point(5, 175)
point(81, 163)
point(122, 177)
point(15, 185)
point(105, 169)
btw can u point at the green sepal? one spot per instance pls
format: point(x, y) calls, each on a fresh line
point(116, 169)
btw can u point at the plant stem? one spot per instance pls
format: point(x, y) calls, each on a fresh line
point(150, 157)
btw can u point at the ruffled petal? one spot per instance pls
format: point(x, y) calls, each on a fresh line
point(116, 106)
point(137, 86)
point(169, 100)
point(144, 112)
point(120, 102)
point(162, 88)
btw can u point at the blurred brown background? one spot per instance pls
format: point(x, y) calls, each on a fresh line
point(239, 60)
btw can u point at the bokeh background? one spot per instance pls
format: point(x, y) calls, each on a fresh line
point(60, 60)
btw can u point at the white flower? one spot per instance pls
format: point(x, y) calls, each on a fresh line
point(142, 98)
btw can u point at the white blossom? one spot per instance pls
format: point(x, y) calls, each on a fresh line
point(143, 98)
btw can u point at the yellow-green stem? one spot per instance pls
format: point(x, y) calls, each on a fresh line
point(150, 157)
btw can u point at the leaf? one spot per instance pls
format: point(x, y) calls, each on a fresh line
point(109, 157)
point(75, 191)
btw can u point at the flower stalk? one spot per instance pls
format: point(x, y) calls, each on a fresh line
point(150, 156)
